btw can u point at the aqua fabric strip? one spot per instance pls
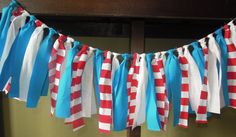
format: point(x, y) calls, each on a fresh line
point(17, 54)
point(44, 91)
point(198, 57)
point(120, 95)
point(5, 23)
point(98, 60)
point(224, 60)
point(152, 116)
point(63, 99)
point(173, 79)
point(39, 78)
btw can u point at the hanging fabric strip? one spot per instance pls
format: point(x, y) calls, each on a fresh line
point(232, 28)
point(140, 110)
point(5, 22)
point(120, 94)
point(11, 35)
point(215, 95)
point(173, 80)
point(40, 70)
point(224, 61)
point(29, 59)
point(194, 80)
point(115, 64)
point(97, 69)
point(63, 100)
point(132, 84)
point(152, 91)
point(198, 56)
point(88, 87)
point(202, 108)
point(79, 61)
point(184, 101)
point(231, 68)
point(163, 114)
point(15, 55)
point(55, 63)
point(6, 18)
point(8, 33)
point(105, 109)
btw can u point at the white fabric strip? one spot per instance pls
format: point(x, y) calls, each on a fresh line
point(17, 23)
point(214, 79)
point(195, 81)
point(233, 32)
point(140, 111)
point(115, 64)
point(28, 61)
point(88, 89)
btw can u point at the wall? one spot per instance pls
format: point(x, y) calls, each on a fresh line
point(22, 122)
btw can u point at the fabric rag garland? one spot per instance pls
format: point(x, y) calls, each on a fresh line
point(129, 89)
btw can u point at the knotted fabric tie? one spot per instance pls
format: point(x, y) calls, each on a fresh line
point(231, 67)
point(105, 86)
point(57, 57)
point(132, 84)
point(76, 117)
point(202, 108)
point(184, 101)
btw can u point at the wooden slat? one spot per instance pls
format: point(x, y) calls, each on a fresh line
point(199, 9)
point(137, 45)
point(136, 132)
point(120, 27)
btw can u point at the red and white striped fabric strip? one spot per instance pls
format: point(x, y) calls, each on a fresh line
point(129, 80)
point(105, 109)
point(78, 65)
point(231, 67)
point(202, 108)
point(132, 85)
point(160, 63)
point(56, 59)
point(160, 91)
point(7, 87)
point(184, 101)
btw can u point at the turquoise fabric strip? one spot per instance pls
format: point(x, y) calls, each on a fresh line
point(152, 117)
point(5, 23)
point(63, 99)
point(39, 78)
point(120, 95)
point(173, 79)
point(98, 60)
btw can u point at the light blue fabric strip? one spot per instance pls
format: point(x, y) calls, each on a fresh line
point(63, 99)
point(152, 116)
point(173, 79)
point(17, 53)
point(120, 95)
point(224, 61)
point(5, 23)
point(39, 78)
point(98, 60)
point(198, 57)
